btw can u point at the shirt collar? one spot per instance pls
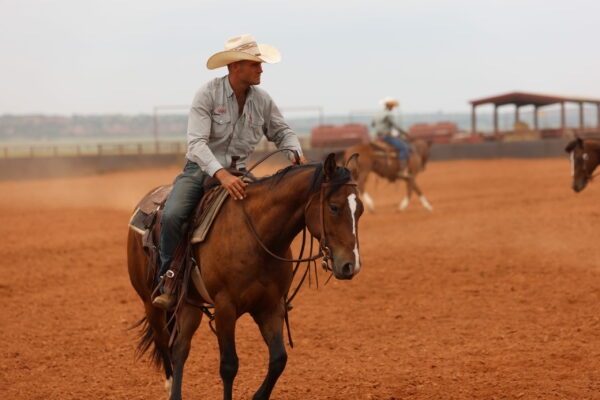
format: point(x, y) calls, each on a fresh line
point(229, 89)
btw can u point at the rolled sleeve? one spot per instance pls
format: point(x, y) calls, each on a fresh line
point(279, 132)
point(198, 133)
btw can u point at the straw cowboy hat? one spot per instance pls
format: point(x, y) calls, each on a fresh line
point(389, 100)
point(243, 47)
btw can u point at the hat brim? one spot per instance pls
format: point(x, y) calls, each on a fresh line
point(393, 103)
point(268, 54)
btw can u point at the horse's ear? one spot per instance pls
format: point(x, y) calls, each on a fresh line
point(329, 166)
point(352, 165)
point(578, 142)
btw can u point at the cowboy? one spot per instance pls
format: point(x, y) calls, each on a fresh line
point(383, 123)
point(227, 119)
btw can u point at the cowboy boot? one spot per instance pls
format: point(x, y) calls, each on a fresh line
point(168, 299)
point(402, 170)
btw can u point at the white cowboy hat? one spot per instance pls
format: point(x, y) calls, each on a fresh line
point(243, 47)
point(389, 100)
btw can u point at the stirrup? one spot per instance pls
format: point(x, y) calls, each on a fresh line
point(166, 298)
point(166, 301)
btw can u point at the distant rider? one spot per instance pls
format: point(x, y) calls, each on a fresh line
point(383, 123)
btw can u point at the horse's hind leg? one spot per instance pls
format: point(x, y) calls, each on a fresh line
point(188, 320)
point(422, 197)
point(271, 328)
point(406, 200)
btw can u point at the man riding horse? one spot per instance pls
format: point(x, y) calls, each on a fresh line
point(383, 123)
point(227, 119)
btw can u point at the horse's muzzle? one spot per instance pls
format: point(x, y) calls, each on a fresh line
point(346, 271)
point(578, 186)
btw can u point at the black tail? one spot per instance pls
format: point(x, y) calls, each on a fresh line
point(146, 340)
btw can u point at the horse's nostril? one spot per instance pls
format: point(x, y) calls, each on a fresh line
point(348, 269)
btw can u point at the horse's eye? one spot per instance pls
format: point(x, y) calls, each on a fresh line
point(334, 208)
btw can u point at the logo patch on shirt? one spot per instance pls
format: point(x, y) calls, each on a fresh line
point(220, 111)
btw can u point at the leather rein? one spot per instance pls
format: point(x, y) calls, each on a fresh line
point(323, 248)
point(311, 260)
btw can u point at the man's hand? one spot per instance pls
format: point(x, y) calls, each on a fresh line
point(233, 184)
point(302, 160)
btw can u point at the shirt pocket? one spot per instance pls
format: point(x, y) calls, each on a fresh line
point(256, 126)
point(221, 125)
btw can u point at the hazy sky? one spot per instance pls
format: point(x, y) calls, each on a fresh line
point(126, 56)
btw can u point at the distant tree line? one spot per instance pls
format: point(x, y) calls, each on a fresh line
point(48, 127)
point(79, 126)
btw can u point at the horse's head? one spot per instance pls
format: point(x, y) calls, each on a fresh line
point(332, 215)
point(583, 163)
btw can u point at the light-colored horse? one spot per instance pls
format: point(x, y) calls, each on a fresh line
point(381, 159)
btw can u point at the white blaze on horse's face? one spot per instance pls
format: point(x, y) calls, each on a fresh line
point(573, 163)
point(353, 208)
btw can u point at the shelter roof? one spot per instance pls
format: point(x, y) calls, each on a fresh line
point(522, 99)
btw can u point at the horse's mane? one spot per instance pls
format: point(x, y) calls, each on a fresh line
point(573, 143)
point(342, 175)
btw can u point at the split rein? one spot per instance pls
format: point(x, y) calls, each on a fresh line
point(323, 249)
point(311, 260)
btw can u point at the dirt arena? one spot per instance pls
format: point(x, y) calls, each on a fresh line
point(494, 295)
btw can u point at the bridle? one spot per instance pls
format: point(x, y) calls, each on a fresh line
point(323, 245)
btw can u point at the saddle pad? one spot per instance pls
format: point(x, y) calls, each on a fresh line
point(383, 146)
point(208, 213)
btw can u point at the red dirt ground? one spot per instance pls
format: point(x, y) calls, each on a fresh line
point(494, 295)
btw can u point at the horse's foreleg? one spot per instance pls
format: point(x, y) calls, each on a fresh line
point(188, 320)
point(225, 318)
point(271, 328)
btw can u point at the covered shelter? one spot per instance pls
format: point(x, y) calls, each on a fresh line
point(520, 99)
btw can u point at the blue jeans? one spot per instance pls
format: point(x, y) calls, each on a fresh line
point(398, 144)
point(187, 192)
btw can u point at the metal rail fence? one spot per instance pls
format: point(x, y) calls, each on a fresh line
point(42, 150)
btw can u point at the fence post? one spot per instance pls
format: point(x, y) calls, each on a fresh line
point(99, 149)
point(140, 149)
point(55, 150)
point(31, 151)
point(5, 152)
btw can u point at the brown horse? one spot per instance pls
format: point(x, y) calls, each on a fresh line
point(585, 157)
point(382, 160)
point(242, 277)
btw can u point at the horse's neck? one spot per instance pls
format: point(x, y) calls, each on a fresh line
point(278, 211)
point(594, 146)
